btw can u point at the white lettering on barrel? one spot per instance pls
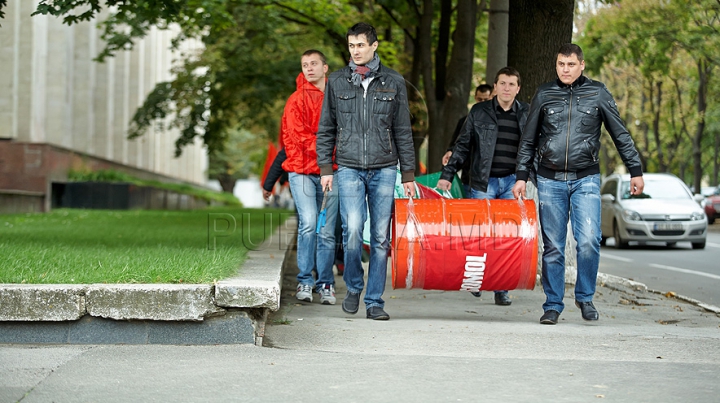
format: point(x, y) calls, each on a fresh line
point(474, 272)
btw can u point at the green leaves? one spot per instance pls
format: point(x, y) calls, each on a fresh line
point(663, 54)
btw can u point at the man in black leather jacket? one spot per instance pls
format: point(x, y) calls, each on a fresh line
point(561, 140)
point(489, 138)
point(483, 92)
point(365, 122)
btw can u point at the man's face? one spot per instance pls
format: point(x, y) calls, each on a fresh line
point(506, 88)
point(569, 68)
point(313, 68)
point(361, 51)
point(483, 96)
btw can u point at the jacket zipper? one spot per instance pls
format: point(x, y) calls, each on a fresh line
point(587, 144)
point(589, 148)
point(365, 125)
point(339, 143)
point(567, 137)
point(588, 95)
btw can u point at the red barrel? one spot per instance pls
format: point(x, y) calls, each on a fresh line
point(464, 244)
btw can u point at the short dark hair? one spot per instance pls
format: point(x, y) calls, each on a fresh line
point(484, 88)
point(363, 28)
point(568, 49)
point(508, 71)
point(314, 52)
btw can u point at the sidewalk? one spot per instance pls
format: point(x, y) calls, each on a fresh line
point(451, 346)
point(437, 347)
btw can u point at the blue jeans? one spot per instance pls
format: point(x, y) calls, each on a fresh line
point(578, 200)
point(498, 188)
point(314, 251)
point(363, 190)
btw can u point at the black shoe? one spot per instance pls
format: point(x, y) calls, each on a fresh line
point(377, 313)
point(501, 298)
point(476, 294)
point(351, 302)
point(588, 310)
point(550, 317)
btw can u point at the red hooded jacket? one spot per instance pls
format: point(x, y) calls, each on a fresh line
point(299, 127)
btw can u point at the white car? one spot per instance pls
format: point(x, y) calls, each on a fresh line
point(666, 211)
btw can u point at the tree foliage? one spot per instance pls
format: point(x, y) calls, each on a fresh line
point(660, 57)
point(246, 70)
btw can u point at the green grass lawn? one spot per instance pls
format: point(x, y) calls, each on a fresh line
point(70, 246)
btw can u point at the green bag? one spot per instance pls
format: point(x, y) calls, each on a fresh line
point(430, 180)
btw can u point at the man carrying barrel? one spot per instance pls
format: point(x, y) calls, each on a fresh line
point(491, 133)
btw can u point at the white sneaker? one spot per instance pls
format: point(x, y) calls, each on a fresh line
point(327, 295)
point(304, 292)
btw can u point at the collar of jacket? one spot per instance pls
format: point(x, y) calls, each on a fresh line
point(496, 104)
point(347, 72)
point(580, 81)
point(491, 105)
point(302, 84)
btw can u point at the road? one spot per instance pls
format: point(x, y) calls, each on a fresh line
point(692, 273)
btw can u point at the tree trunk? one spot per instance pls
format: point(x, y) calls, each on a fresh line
point(227, 182)
point(656, 106)
point(704, 69)
point(424, 55)
point(644, 127)
point(716, 160)
point(497, 53)
point(536, 31)
point(417, 105)
point(458, 82)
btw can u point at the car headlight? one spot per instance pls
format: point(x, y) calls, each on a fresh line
point(631, 215)
point(697, 216)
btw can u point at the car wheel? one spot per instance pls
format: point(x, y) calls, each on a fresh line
point(698, 245)
point(603, 240)
point(671, 244)
point(619, 243)
point(711, 220)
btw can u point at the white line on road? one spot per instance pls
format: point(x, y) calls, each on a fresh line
point(698, 273)
point(714, 245)
point(613, 257)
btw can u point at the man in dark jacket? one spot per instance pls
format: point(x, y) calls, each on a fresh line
point(490, 138)
point(562, 139)
point(483, 92)
point(365, 121)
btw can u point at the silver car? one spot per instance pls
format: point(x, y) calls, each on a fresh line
point(666, 211)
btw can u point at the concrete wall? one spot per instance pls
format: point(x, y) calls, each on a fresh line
point(51, 92)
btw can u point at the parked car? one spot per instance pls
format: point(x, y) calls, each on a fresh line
point(712, 206)
point(708, 191)
point(666, 211)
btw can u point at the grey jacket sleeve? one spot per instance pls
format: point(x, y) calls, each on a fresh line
point(327, 132)
point(402, 133)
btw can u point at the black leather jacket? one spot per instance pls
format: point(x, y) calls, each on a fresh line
point(562, 136)
point(367, 131)
point(478, 136)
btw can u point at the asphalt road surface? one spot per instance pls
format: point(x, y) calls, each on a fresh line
point(688, 272)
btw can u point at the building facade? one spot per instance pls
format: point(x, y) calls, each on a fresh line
point(60, 110)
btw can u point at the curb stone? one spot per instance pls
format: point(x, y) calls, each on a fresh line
point(43, 313)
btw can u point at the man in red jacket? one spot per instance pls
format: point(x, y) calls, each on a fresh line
point(299, 127)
